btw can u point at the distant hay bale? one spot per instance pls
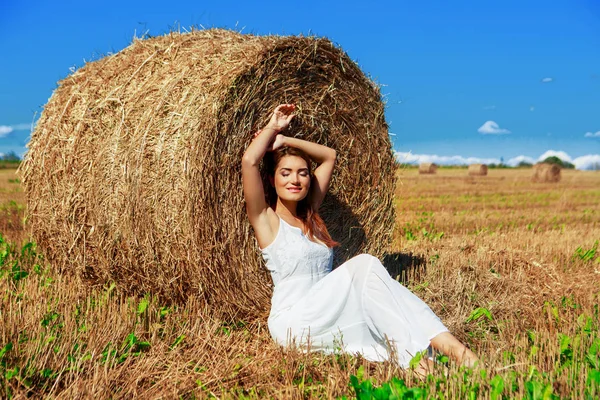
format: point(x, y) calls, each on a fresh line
point(427, 168)
point(478, 170)
point(133, 173)
point(545, 172)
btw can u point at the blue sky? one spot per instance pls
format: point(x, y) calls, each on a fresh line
point(485, 79)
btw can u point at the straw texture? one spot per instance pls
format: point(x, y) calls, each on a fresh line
point(427, 168)
point(545, 172)
point(133, 172)
point(478, 170)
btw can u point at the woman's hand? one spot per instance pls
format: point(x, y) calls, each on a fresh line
point(281, 117)
point(277, 143)
point(280, 120)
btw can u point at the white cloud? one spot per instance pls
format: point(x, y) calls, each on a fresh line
point(590, 134)
point(547, 80)
point(590, 161)
point(409, 158)
point(6, 129)
point(553, 153)
point(587, 162)
point(492, 128)
point(513, 162)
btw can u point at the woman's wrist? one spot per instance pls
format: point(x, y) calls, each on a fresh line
point(274, 129)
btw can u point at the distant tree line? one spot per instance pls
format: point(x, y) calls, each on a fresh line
point(501, 165)
point(559, 162)
point(11, 156)
point(522, 164)
point(547, 160)
point(9, 160)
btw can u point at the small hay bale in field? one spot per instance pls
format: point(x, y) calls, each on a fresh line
point(133, 173)
point(478, 170)
point(427, 168)
point(545, 172)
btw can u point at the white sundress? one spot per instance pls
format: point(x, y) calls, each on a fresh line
point(353, 308)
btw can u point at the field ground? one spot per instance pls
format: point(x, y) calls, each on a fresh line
point(510, 266)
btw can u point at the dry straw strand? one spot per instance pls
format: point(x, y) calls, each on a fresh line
point(133, 171)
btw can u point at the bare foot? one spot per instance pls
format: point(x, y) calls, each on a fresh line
point(453, 348)
point(424, 368)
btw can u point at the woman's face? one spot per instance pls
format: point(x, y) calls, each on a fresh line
point(292, 178)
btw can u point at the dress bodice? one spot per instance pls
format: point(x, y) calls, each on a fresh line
point(295, 263)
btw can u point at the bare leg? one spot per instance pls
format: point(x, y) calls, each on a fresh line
point(453, 348)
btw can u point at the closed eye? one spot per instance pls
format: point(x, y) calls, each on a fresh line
point(286, 172)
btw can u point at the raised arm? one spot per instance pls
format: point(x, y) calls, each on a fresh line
point(324, 157)
point(265, 140)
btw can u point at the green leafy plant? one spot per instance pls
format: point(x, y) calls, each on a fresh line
point(177, 341)
point(566, 351)
point(593, 355)
point(497, 386)
point(394, 389)
point(587, 255)
point(479, 313)
point(132, 346)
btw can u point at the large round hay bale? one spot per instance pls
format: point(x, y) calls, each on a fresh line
point(478, 170)
point(133, 172)
point(427, 168)
point(545, 172)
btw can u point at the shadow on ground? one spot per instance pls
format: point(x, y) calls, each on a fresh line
point(403, 265)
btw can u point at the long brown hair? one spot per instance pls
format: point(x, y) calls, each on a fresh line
point(315, 226)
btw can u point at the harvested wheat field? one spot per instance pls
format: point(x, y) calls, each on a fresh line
point(511, 267)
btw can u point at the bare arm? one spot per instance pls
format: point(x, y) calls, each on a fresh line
point(325, 158)
point(254, 194)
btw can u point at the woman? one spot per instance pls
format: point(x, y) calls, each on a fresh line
point(357, 307)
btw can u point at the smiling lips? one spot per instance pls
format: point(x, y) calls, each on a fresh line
point(294, 189)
